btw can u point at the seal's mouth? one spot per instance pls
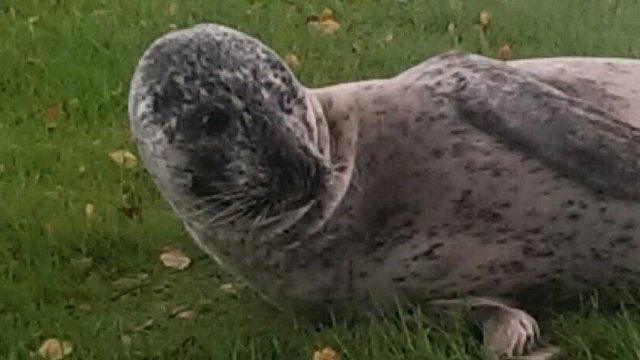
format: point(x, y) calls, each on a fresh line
point(287, 187)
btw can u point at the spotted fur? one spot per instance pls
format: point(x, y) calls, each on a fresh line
point(461, 176)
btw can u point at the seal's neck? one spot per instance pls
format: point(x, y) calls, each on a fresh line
point(336, 109)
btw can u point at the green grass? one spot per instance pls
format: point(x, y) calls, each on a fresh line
point(81, 53)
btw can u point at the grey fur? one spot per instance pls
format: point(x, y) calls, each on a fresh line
point(462, 176)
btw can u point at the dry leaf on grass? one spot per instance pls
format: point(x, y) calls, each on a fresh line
point(186, 315)
point(388, 38)
point(291, 60)
point(175, 259)
point(485, 19)
point(505, 53)
point(327, 14)
point(229, 288)
point(327, 24)
point(326, 354)
point(124, 158)
point(55, 349)
point(89, 211)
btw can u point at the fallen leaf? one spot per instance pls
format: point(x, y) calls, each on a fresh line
point(186, 315)
point(82, 169)
point(326, 354)
point(51, 114)
point(55, 349)
point(175, 259)
point(388, 38)
point(229, 288)
point(291, 60)
point(176, 309)
point(485, 19)
point(325, 24)
point(505, 53)
point(327, 14)
point(89, 211)
point(329, 26)
point(124, 158)
point(451, 28)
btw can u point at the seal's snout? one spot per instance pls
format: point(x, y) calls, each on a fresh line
point(222, 125)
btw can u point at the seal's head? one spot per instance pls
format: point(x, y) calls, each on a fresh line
point(225, 129)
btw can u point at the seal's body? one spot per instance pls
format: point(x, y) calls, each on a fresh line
point(461, 176)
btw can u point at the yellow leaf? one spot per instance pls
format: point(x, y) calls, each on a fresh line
point(55, 349)
point(326, 354)
point(175, 259)
point(89, 211)
point(485, 19)
point(388, 38)
point(229, 288)
point(327, 14)
point(186, 315)
point(291, 60)
point(329, 26)
point(124, 158)
point(505, 53)
point(451, 28)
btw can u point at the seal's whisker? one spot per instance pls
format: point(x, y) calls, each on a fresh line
point(260, 219)
point(232, 209)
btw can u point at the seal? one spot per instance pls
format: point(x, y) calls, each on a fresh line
point(462, 182)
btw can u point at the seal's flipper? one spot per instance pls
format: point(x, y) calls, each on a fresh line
point(509, 332)
point(576, 137)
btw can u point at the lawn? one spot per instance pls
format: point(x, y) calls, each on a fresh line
point(93, 276)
